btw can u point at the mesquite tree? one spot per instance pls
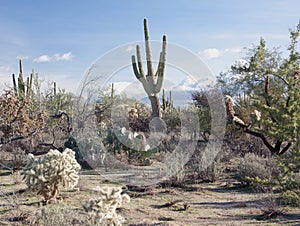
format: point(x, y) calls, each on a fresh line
point(267, 91)
point(31, 120)
point(152, 82)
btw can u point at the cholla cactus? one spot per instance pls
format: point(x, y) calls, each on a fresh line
point(231, 112)
point(103, 209)
point(45, 174)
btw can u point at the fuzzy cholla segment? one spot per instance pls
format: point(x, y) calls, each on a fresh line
point(103, 209)
point(44, 174)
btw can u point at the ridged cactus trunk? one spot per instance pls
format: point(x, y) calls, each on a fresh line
point(152, 82)
point(20, 88)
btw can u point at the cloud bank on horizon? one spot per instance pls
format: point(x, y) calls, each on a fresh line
point(55, 57)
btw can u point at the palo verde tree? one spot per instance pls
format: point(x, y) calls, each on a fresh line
point(266, 88)
point(152, 82)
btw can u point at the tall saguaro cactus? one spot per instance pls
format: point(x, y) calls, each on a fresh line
point(20, 88)
point(152, 82)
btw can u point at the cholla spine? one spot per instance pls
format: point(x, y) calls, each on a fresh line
point(46, 173)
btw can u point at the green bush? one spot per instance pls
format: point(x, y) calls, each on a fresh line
point(291, 198)
point(289, 178)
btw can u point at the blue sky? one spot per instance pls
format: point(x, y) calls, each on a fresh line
point(61, 39)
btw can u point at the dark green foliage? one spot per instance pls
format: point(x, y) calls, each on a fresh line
point(266, 90)
point(291, 198)
point(72, 144)
point(289, 179)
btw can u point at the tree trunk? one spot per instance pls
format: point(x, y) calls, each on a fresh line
point(155, 105)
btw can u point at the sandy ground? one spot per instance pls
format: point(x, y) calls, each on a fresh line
point(217, 203)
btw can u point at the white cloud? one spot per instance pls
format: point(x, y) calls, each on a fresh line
point(67, 56)
point(211, 53)
point(55, 57)
point(43, 58)
point(216, 53)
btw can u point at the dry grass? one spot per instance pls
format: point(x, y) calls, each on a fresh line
point(198, 204)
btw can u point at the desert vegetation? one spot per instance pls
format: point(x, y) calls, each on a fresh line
point(53, 172)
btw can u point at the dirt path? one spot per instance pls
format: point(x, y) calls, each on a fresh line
point(208, 204)
point(197, 204)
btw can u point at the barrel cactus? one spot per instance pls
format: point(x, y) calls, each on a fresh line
point(46, 173)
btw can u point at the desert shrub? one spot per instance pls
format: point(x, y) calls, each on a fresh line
point(28, 125)
point(252, 167)
point(12, 159)
point(171, 117)
point(45, 174)
point(289, 178)
point(174, 168)
point(269, 207)
point(197, 167)
point(16, 177)
point(57, 214)
point(291, 198)
point(139, 117)
point(16, 118)
point(102, 210)
point(241, 144)
point(212, 172)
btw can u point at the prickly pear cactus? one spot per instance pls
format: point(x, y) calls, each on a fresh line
point(45, 174)
point(132, 143)
point(102, 210)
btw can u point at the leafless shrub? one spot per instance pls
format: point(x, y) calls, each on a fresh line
point(206, 162)
point(58, 214)
point(175, 168)
point(11, 203)
point(16, 177)
point(270, 208)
